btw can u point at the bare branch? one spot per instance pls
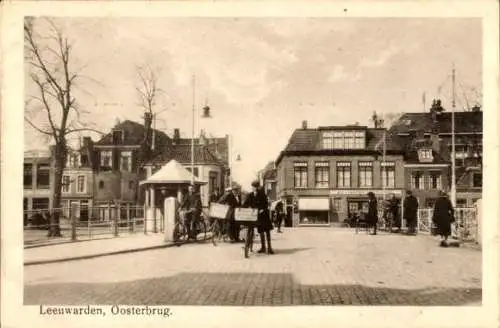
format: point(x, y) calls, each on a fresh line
point(50, 133)
point(87, 129)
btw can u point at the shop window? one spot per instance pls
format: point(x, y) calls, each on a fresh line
point(321, 175)
point(365, 171)
point(300, 174)
point(313, 217)
point(343, 174)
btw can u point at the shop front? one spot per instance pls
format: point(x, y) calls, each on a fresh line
point(314, 211)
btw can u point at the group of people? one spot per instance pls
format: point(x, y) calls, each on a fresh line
point(191, 206)
point(443, 214)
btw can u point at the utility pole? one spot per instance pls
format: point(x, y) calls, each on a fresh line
point(453, 168)
point(192, 133)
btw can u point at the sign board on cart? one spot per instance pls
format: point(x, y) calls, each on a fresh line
point(245, 214)
point(218, 211)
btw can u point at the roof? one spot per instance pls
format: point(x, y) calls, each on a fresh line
point(182, 154)
point(464, 122)
point(218, 146)
point(172, 173)
point(411, 157)
point(133, 134)
point(310, 140)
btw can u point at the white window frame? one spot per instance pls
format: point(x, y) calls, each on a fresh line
point(107, 152)
point(303, 169)
point(438, 180)
point(66, 188)
point(421, 184)
point(385, 169)
point(364, 164)
point(323, 166)
point(343, 180)
point(78, 184)
point(129, 160)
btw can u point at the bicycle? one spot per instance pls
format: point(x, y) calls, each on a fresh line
point(249, 236)
point(220, 230)
point(181, 233)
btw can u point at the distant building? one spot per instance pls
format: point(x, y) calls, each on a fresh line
point(325, 173)
point(38, 181)
point(267, 178)
point(427, 138)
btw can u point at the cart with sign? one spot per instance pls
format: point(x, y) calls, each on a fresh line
point(219, 214)
point(248, 218)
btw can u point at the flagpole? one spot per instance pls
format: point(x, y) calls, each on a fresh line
point(383, 163)
point(453, 164)
point(192, 134)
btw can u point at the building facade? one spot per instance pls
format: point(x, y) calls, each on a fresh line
point(324, 174)
point(428, 140)
point(267, 178)
point(38, 181)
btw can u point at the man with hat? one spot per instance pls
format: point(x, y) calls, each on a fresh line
point(232, 199)
point(257, 199)
point(192, 205)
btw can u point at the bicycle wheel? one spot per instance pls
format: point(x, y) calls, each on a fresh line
point(216, 232)
point(248, 242)
point(225, 231)
point(201, 229)
point(180, 233)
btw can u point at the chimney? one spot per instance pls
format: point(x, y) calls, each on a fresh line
point(177, 136)
point(304, 125)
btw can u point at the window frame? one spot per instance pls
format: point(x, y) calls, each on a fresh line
point(386, 168)
point(106, 152)
point(46, 169)
point(300, 168)
point(30, 175)
point(362, 165)
point(323, 169)
point(66, 188)
point(78, 191)
point(344, 167)
point(129, 160)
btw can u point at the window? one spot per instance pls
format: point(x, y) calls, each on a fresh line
point(126, 161)
point(43, 176)
point(477, 180)
point(425, 155)
point(106, 158)
point(417, 180)
point(300, 174)
point(337, 204)
point(66, 183)
point(461, 203)
point(101, 184)
point(343, 174)
point(327, 140)
point(212, 182)
point(344, 140)
point(195, 170)
point(131, 185)
point(365, 174)
point(28, 176)
point(388, 174)
point(40, 203)
point(322, 175)
point(81, 185)
point(435, 180)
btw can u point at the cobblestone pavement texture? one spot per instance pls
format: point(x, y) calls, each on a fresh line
point(312, 266)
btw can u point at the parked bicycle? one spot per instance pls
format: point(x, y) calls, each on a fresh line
point(220, 230)
point(181, 231)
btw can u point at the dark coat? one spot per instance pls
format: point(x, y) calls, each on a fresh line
point(372, 215)
point(443, 216)
point(410, 208)
point(230, 200)
point(192, 202)
point(259, 201)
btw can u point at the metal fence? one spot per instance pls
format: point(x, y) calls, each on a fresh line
point(81, 222)
point(465, 227)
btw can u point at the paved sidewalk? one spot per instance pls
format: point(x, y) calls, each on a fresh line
point(93, 248)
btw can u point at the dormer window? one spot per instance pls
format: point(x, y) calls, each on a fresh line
point(348, 139)
point(425, 155)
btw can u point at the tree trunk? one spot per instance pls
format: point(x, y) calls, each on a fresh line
point(59, 163)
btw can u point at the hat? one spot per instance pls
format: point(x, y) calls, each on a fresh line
point(256, 184)
point(229, 189)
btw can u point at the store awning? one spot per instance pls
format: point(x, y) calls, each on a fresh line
point(314, 204)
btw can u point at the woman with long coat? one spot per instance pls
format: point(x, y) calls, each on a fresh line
point(257, 199)
point(372, 215)
point(443, 216)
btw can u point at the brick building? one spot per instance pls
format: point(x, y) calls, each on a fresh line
point(325, 173)
point(427, 137)
point(38, 181)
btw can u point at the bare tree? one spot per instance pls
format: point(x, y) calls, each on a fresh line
point(52, 109)
point(149, 93)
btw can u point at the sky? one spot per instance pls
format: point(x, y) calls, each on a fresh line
point(263, 76)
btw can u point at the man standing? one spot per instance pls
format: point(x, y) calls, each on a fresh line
point(278, 210)
point(192, 206)
point(443, 216)
point(372, 215)
point(257, 199)
point(231, 198)
point(394, 210)
point(410, 208)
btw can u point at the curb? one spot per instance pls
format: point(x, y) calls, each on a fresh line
point(87, 257)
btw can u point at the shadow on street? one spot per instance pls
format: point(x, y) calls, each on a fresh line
point(240, 289)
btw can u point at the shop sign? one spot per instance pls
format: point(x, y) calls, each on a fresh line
point(377, 192)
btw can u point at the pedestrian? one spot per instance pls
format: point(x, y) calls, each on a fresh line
point(410, 208)
point(443, 216)
point(232, 199)
point(278, 210)
point(192, 207)
point(257, 199)
point(394, 210)
point(372, 215)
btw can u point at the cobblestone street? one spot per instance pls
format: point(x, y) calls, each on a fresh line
point(312, 266)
